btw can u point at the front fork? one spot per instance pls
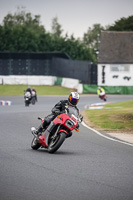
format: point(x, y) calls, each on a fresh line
point(43, 139)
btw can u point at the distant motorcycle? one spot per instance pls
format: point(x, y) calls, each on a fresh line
point(27, 98)
point(59, 129)
point(103, 96)
point(33, 100)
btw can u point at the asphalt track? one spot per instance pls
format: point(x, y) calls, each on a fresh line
point(86, 167)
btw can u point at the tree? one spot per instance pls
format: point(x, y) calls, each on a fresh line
point(21, 32)
point(124, 24)
point(56, 28)
point(91, 38)
point(20, 17)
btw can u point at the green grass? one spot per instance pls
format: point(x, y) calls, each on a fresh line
point(16, 90)
point(113, 118)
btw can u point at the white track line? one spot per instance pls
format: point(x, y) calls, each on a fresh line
point(109, 138)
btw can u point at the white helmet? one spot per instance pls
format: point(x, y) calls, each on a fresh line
point(73, 98)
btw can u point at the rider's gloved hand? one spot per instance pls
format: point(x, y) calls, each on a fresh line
point(56, 111)
point(81, 118)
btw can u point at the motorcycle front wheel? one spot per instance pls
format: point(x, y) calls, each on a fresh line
point(35, 144)
point(56, 142)
point(26, 103)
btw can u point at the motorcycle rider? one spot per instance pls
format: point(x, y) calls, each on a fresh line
point(101, 93)
point(28, 90)
point(34, 90)
point(59, 108)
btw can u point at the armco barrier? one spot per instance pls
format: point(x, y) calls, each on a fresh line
point(5, 103)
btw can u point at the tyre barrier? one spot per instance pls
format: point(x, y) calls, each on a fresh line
point(5, 103)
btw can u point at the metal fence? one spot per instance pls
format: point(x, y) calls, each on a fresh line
point(82, 70)
point(53, 64)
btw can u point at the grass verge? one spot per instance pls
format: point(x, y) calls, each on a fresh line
point(16, 90)
point(111, 118)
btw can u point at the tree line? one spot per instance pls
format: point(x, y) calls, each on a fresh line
point(23, 32)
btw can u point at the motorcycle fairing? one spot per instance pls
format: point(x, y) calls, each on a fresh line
point(63, 120)
point(42, 140)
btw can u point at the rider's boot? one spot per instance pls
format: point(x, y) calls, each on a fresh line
point(39, 129)
point(35, 131)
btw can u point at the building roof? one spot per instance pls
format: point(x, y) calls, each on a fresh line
point(116, 47)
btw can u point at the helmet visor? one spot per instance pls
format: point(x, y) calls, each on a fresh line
point(73, 101)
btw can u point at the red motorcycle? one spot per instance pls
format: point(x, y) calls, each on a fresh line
point(58, 130)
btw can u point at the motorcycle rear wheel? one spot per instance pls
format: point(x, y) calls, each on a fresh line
point(35, 144)
point(56, 142)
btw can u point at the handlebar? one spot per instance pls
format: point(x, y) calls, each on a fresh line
point(39, 118)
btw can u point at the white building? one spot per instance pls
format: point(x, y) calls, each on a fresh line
point(115, 59)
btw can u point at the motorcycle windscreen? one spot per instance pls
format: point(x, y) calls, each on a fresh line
point(73, 110)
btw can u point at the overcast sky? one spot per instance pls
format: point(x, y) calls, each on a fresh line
point(75, 16)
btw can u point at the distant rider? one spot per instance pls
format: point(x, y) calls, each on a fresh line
point(101, 93)
point(34, 93)
point(28, 90)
